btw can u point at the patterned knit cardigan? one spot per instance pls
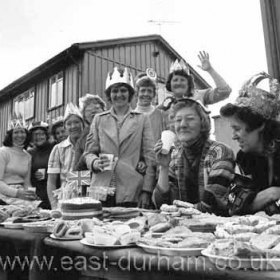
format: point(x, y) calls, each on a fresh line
point(216, 171)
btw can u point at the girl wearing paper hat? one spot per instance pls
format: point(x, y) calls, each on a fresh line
point(14, 177)
point(126, 135)
point(61, 159)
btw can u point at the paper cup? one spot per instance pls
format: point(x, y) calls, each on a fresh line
point(111, 158)
point(43, 171)
point(167, 137)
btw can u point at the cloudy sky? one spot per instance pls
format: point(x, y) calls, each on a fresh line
point(33, 31)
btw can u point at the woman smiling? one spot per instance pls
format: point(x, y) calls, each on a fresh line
point(198, 170)
point(254, 122)
point(14, 177)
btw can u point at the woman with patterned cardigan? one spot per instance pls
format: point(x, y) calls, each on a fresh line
point(198, 170)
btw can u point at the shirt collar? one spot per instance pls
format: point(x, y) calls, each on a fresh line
point(66, 143)
point(112, 112)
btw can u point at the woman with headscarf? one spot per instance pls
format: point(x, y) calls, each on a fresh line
point(127, 136)
point(254, 119)
point(198, 170)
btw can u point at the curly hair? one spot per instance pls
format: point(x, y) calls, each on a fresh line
point(253, 120)
point(184, 74)
point(204, 117)
point(8, 140)
point(91, 99)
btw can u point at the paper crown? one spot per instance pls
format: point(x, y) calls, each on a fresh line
point(17, 121)
point(149, 74)
point(71, 109)
point(179, 65)
point(262, 102)
point(119, 76)
point(38, 124)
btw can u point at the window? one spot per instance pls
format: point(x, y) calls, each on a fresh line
point(56, 90)
point(24, 104)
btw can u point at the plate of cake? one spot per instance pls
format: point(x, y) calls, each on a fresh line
point(176, 242)
point(113, 235)
point(260, 253)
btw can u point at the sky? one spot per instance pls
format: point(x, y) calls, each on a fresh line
point(33, 31)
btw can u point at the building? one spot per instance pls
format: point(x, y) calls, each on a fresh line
point(43, 93)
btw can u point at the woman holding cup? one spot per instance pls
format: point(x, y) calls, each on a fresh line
point(15, 185)
point(40, 154)
point(117, 140)
point(198, 170)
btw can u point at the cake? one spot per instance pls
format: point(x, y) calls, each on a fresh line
point(80, 208)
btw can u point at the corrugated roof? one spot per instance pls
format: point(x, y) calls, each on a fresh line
point(79, 48)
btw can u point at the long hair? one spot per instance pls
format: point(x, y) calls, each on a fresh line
point(8, 140)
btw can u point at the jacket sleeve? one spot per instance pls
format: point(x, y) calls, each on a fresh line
point(92, 147)
point(149, 156)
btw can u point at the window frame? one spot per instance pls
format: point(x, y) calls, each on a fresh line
point(56, 77)
point(24, 97)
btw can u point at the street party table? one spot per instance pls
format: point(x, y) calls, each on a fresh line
point(134, 263)
point(17, 251)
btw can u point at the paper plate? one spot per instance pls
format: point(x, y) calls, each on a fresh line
point(183, 252)
point(85, 242)
point(236, 263)
point(64, 238)
point(12, 225)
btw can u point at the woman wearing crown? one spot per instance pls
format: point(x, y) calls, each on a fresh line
point(15, 167)
point(126, 135)
point(254, 122)
point(61, 159)
point(181, 84)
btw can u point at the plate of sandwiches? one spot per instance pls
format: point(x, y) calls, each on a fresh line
point(178, 241)
point(111, 236)
point(233, 254)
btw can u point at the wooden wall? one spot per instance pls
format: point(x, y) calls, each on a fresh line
point(137, 57)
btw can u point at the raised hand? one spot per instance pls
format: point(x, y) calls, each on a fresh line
point(204, 60)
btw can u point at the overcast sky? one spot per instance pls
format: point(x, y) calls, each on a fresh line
point(33, 31)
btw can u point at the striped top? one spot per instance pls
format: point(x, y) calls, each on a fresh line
point(61, 160)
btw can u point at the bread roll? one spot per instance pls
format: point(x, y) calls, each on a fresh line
point(161, 227)
point(74, 232)
point(60, 229)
